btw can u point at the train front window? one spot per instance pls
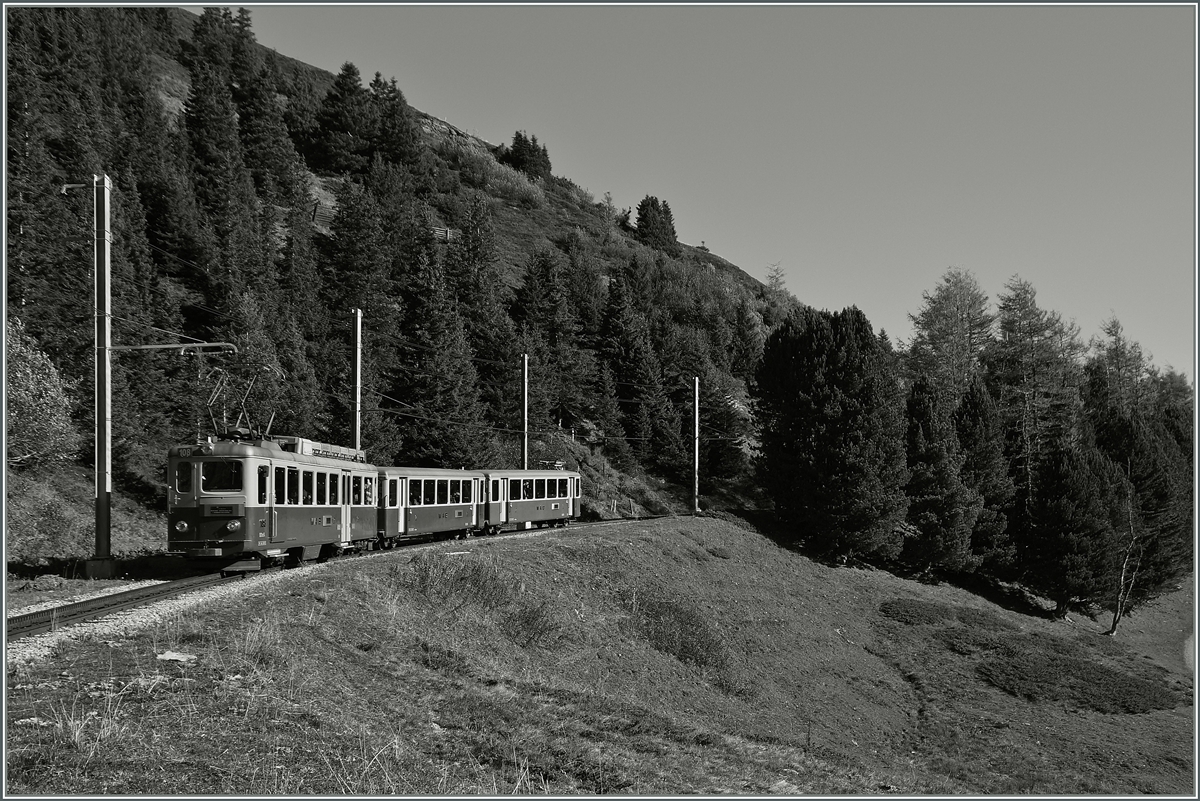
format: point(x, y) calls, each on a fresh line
point(221, 476)
point(183, 477)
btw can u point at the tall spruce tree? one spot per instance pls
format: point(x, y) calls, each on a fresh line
point(941, 507)
point(985, 470)
point(832, 432)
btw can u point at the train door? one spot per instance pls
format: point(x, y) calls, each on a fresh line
point(344, 507)
point(501, 498)
point(278, 494)
point(400, 502)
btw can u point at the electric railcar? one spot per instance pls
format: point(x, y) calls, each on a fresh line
point(251, 502)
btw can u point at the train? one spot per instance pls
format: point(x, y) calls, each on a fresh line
point(252, 501)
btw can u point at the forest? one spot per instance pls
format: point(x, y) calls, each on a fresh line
point(259, 201)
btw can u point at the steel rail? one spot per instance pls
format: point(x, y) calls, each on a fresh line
point(44, 620)
point(57, 617)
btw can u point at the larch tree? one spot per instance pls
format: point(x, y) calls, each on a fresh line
point(950, 332)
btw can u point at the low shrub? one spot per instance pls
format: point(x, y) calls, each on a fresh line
point(475, 580)
point(672, 626)
point(1034, 669)
point(915, 613)
point(531, 623)
point(967, 641)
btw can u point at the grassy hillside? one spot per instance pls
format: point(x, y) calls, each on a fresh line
point(681, 655)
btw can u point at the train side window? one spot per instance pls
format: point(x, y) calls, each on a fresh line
point(551, 488)
point(183, 476)
point(333, 489)
point(369, 491)
point(280, 486)
point(306, 487)
point(578, 487)
point(443, 490)
point(514, 489)
point(221, 476)
point(414, 492)
point(455, 490)
point(356, 491)
point(467, 490)
point(562, 488)
point(496, 490)
point(527, 488)
point(264, 478)
point(429, 495)
point(393, 495)
point(540, 488)
point(293, 486)
point(321, 479)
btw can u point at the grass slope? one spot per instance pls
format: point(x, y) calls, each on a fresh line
point(679, 655)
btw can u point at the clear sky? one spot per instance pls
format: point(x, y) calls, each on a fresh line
point(863, 149)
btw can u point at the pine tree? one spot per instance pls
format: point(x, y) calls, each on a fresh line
point(942, 508)
point(1156, 530)
point(348, 125)
point(656, 226)
point(1071, 556)
point(832, 426)
point(985, 470)
point(397, 138)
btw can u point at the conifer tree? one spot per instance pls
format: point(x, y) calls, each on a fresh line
point(656, 226)
point(941, 507)
point(348, 123)
point(985, 470)
point(951, 331)
point(832, 427)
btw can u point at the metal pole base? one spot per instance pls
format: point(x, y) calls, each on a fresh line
point(100, 568)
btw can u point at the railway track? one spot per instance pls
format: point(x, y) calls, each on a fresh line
point(42, 621)
point(45, 620)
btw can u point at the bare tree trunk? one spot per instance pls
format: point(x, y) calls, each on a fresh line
point(1124, 587)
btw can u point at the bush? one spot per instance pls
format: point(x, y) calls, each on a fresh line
point(914, 613)
point(39, 427)
point(479, 169)
point(441, 579)
point(1037, 670)
point(531, 623)
point(672, 626)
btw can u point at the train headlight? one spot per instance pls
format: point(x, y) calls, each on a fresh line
point(233, 525)
point(181, 526)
